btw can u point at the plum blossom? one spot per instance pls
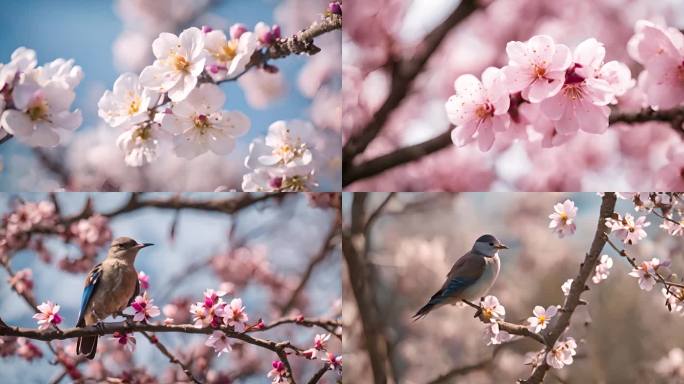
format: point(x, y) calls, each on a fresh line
point(661, 51)
point(284, 146)
point(496, 336)
point(627, 229)
point(128, 103)
point(581, 103)
point(234, 315)
point(334, 362)
point(492, 309)
point(672, 365)
point(674, 299)
point(125, 340)
point(200, 125)
point(144, 280)
point(278, 373)
point(142, 309)
point(563, 218)
point(227, 58)
point(210, 311)
point(479, 108)
point(562, 353)
point(219, 341)
point(48, 315)
point(645, 273)
point(179, 61)
point(534, 358)
point(320, 344)
point(566, 286)
point(298, 179)
point(536, 67)
point(91, 233)
point(541, 318)
point(602, 270)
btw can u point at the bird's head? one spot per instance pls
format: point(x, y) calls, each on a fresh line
point(488, 245)
point(126, 248)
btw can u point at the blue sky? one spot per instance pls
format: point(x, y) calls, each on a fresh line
point(85, 31)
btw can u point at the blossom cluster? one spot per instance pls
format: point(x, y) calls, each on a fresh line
point(214, 312)
point(283, 160)
point(544, 83)
point(35, 101)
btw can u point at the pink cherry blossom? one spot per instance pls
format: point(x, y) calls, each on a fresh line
point(334, 362)
point(563, 218)
point(125, 340)
point(536, 67)
point(492, 309)
point(278, 373)
point(320, 344)
point(673, 228)
point(602, 269)
point(144, 280)
point(541, 318)
point(219, 341)
point(661, 51)
point(562, 353)
point(22, 281)
point(48, 315)
point(479, 108)
point(142, 309)
point(212, 297)
point(581, 103)
point(494, 335)
point(645, 272)
point(234, 315)
point(27, 350)
point(630, 231)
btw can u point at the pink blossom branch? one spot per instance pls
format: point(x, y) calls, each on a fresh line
point(331, 326)
point(577, 287)
point(173, 359)
point(404, 74)
point(513, 329)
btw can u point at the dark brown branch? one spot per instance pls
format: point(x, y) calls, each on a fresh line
point(327, 325)
point(173, 359)
point(319, 374)
point(577, 287)
point(513, 329)
point(403, 76)
point(6, 138)
point(415, 152)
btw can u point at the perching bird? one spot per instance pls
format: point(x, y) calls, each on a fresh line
point(470, 278)
point(109, 288)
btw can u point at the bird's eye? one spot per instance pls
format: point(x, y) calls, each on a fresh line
point(491, 244)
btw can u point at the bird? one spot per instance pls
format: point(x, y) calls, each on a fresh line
point(470, 278)
point(110, 287)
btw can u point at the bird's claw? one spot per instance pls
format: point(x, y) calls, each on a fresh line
point(100, 327)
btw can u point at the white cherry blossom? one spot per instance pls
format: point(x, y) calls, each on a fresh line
point(284, 146)
point(228, 57)
point(180, 60)
point(200, 125)
point(128, 103)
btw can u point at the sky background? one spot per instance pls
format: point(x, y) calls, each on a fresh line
point(86, 30)
point(292, 233)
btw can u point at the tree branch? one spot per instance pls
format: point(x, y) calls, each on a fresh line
point(173, 359)
point(578, 286)
point(403, 76)
point(513, 329)
point(319, 374)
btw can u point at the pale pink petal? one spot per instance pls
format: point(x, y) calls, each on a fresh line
point(162, 45)
point(562, 58)
point(591, 117)
point(517, 77)
point(16, 123)
point(542, 89)
point(462, 135)
point(517, 52)
point(469, 87)
point(554, 107)
point(485, 135)
point(542, 49)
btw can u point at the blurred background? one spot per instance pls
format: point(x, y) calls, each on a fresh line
point(382, 38)
point(107, 38)
point(279, 253)
point(624, 334)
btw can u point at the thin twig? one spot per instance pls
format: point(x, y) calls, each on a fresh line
point(173, 359)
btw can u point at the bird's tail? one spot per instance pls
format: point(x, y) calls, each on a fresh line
point(435, 301)
point(86, 345)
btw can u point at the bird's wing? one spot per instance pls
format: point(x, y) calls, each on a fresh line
point(136, 292)
point(465, 271)
point(91, 282)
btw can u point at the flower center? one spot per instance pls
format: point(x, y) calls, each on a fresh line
point(573, 91)
point(180, 63)
point(294, 184)
point(38, 109)
point(564, 217)
point(542, 319)
point(202, 123)
point(539, 71)
point(484, 110)
point(571, 75)
point(228, 51)
point(134, 106)
point(142, 134)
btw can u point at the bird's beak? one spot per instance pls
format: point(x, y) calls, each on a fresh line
point(144, 245)
point(501, 246)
